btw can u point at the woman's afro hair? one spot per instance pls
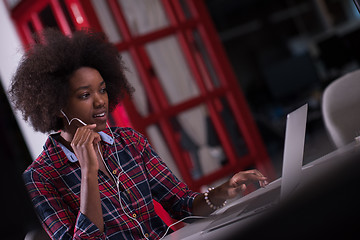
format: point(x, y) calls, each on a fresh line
point(39, 88)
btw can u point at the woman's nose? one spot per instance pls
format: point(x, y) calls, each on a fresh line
point(99, 101)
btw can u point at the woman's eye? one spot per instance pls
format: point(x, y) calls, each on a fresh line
point(84, 95)
point(103, 90)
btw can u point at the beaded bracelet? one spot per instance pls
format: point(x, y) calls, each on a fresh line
point(207, 200)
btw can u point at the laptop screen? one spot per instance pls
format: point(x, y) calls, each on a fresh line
point(293, 150)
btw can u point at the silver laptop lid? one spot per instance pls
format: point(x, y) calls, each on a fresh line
point(293, 150)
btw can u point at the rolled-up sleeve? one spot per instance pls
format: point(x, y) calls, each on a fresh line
point(56, 217)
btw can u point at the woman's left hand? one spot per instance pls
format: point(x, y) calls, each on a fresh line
point(227, 190)
point(238, 182)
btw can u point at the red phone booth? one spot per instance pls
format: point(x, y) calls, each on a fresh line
point(188, 101)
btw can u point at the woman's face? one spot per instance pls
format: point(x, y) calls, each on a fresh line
point(88, 100)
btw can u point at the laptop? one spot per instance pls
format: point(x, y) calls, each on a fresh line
point(265, 198)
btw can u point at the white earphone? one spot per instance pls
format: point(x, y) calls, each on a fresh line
point(69, 122)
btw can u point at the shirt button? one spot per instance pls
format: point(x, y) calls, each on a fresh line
point(146, 235)
point(114, 172)
point(134, 215)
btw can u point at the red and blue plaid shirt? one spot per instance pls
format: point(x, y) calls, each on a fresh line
point(53, 182)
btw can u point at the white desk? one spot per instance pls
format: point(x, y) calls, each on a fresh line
point(316, 176)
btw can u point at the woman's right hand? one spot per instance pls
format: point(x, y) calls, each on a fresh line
point(84, 145)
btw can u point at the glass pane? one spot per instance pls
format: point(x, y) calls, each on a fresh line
point(144, 16)
point(140, 98)
point(67, 15)
point(185, 8)
point(12, 3)
point(192, 126)
point(172, 70)
point(106, 20)
point(29, 31)
point(202, 51)
point(199, 138)
point(231, 126)
point(31, 27)
point(47, 18)
point(158, 142)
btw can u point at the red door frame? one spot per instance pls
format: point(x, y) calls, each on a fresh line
point(181, 27)
point(83, 15)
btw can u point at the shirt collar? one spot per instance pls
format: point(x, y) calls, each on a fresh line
point(72, 157)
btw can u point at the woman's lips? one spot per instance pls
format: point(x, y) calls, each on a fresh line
point(99, 115)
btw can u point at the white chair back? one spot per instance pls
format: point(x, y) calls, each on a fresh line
point(341, 108)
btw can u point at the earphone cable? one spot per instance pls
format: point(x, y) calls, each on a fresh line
point(118, 182)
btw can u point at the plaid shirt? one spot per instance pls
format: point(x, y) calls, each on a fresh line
point(53, 182)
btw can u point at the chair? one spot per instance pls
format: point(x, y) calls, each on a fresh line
point(341, 108)
point(37, 234)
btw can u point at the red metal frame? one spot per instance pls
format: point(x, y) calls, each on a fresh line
point(162, 111)
point(83, 15)
point(235, 97)
point(76, 13)
point(210, 95)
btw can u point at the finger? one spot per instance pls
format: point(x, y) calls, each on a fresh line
point(91, 137)
point(91, 126)
point(255, 172)
point(253, 175)
point(83, 129)
point(261, 178)
point(83, 144)
point(95, 137)
point(87, 129)
point(81, 136)
point(77, 137)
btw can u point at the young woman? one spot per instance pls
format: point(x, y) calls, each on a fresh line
point(91, 181)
